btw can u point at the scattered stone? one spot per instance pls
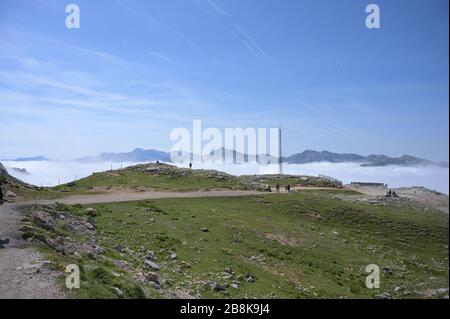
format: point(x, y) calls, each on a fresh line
point(384, 295)
point(4, 242)
point(152, 265)
point(120, 248)
point(152, 276)
point(98, 250)
point(173, 256)
point(204, 229)
point(118, 291)
point(43, 219)
point(218, 287)
point(250, 278)
point(90, 211)
point(156, 285)
point(150, 256)
point(235, 286)
point(122, 264)
point(10, 194)
point(387, 270)
point(229, 270)
point(77, 255)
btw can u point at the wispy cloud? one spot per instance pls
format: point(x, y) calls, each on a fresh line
point(251, 43)
point(217, 8)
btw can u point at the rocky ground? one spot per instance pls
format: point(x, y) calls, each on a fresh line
point(23, 271)
point(420, 197)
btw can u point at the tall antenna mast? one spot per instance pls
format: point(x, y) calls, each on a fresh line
point(280, 161)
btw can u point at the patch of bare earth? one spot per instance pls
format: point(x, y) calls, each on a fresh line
point(23, 271)
point(283, 240)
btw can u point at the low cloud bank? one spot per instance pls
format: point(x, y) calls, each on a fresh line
point(49, 173)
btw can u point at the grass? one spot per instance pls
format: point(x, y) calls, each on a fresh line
point(160, 177)
point(308, 244)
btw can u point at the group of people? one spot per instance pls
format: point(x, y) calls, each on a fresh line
point(391, 193)
point(287, 188)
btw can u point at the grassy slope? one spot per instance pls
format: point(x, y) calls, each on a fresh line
point(323, 247)
point(162, 177)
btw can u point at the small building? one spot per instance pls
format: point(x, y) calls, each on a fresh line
point(369, 184)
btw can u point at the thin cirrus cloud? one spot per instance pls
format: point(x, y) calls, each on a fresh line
point(217, 8)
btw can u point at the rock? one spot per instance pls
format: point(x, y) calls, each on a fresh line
point(43, 219)
point(235, 286)
point(10, 194)
point(77, 255)
point(173, 256)
point(229, 270)
point(204, 229)
point(4, 242)
point(98, 250)
point(384, 295)
point(122, 264)
point(119, 248)
point(90, 211)
point(152, 276)
point(387, 270)
point(91, 222)
point(118, 291)
point(250, 278)
point(156, 285)
point(150, 256)
point(218, 287)
point(60, 249)
point(152, 265)
point(441, 291)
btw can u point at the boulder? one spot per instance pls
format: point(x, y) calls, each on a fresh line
point(219, 287)
point(10, 194)
point(43, 219)
point(152, 265)
point(152, 276)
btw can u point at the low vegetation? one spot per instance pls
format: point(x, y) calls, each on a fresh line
point(308, 244)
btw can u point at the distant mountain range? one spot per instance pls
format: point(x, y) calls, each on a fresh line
point(27, 159)
point(310, 156)
point(136, 155)
point(305, 157)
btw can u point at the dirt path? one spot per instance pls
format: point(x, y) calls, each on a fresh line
point(125, 196)
point(21, 271)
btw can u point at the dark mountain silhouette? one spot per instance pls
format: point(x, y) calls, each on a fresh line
point(136, 155)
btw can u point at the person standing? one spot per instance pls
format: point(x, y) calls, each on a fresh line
point(190, 165)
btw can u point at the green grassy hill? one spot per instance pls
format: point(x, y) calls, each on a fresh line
point(164, 177)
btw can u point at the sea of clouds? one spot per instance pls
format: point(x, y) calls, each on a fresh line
point(50, 173)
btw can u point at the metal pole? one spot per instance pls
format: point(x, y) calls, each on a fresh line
point(280, 161)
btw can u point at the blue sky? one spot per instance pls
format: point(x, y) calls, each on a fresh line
point(137, 69)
